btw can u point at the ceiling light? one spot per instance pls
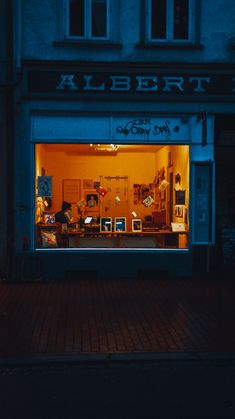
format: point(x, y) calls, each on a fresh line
point(105, 147)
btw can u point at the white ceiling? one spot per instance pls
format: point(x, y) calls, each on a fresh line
point(86, 149)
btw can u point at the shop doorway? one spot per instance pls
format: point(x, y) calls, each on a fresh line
point(225, 199)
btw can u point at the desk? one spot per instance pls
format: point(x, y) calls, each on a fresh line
point(158, 239)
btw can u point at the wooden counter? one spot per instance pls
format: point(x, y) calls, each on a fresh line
point(153, 239)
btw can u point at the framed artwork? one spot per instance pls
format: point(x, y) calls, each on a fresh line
point(136, 224)
point(92, 200)
point(45, 186)
point(120, 224)
point(106, 224)
point(180, 197)
point(87, 184)
point(49, 218)
point(96, 185)
point(71, 190)
point(179, 211)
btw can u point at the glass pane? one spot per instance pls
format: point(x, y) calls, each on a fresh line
point(99, 18)
point(76, 17)
point(134, 196)
point(181, 19)
point(158, 19)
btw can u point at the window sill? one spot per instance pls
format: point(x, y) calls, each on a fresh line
point(87, 44)
point(175, 45)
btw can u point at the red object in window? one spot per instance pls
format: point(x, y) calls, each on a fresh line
point(101, 191)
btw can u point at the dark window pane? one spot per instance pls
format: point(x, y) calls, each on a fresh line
point(76, 17)
point(180, 19)
point(99, 19)
point(158, 19)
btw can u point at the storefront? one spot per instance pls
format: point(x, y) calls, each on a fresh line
point(138, 174)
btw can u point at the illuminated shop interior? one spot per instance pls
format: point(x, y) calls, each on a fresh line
point(121, 196)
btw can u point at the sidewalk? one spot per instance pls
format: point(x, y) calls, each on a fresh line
point(116, 319)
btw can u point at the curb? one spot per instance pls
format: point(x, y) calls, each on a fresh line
point(115, 358)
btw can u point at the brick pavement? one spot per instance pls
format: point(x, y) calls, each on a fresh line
point(126, 316)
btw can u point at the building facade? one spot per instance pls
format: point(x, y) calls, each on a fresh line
point(7, 79)
point(124, 110)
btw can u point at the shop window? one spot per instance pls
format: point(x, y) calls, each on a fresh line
point(88, 19)
point(170, 20)
point(111, 196)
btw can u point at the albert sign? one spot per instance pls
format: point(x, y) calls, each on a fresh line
point(138, 83)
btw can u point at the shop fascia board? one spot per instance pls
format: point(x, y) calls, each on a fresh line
point(115, 129)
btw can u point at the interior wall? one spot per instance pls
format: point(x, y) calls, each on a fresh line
point(40, 159)
point(180, 160)
point(139, 168)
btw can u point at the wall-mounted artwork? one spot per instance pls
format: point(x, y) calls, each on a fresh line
point(87, 184)
point(92, 200)
point(180, 197)
point(96, 184)
point(142, 191)
point(71, 190)
point(179, 211)
point(45, 186)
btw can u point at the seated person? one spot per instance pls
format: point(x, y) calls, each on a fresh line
point(64, 216)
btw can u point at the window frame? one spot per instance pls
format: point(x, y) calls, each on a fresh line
point(88, 23)
point(169, 39)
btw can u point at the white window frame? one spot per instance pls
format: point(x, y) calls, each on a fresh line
point(88, 23)
point(170, 24)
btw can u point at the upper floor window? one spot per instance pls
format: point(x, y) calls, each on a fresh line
point(88, 19)
point(170, 20)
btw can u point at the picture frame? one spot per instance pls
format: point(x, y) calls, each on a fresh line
point(136, 224)
point(49, 218)
point(180, 197)
point(45, 186)
point(92, 200)
point(96, 184)
point(120, 224)
point(106, 224)
point(87, 183)
point(179, 211)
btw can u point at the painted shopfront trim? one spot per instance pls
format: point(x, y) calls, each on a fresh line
point(119, 129)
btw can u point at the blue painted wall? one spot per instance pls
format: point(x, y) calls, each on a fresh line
point(215, 32)
point(38, 36)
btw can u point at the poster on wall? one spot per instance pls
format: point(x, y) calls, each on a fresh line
point(71, 190)
point(45, 186)
point(87, 184)
point(142, 191)
point(92, 200)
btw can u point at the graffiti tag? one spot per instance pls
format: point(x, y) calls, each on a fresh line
point(143, 127)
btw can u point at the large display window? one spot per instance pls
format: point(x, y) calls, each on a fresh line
point(111, 196)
